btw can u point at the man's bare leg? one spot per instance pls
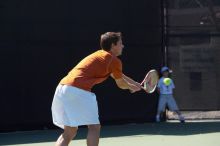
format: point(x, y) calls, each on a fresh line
point(68, 134)
point(93, 135)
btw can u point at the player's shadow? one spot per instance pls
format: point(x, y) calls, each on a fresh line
point(164, 128)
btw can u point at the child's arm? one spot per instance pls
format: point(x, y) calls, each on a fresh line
point(158, 90)
point(158, 86)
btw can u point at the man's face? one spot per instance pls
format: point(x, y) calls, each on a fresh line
point(117, 49)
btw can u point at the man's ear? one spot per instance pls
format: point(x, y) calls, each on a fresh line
point(112, 45)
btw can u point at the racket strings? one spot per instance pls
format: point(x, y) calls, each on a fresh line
point(150, 81)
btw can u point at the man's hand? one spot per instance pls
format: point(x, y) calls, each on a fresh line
point(135, 87)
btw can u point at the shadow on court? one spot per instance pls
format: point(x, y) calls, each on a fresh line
point(175, 129)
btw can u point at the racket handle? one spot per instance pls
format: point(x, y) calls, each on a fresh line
point(131, 91)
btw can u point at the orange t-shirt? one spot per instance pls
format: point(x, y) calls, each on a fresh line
point(93, 70)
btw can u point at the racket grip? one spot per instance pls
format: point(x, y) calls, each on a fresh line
point(131, 91)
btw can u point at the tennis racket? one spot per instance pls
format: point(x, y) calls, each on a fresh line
point(150, 81)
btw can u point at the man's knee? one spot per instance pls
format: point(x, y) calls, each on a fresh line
point(69, 133)
point(95, 127)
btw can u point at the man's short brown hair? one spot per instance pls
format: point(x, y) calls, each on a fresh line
point(109, 38)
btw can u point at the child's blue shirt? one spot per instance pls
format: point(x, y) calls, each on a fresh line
point(164, 89)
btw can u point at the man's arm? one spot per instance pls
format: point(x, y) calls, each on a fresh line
point(131, 81)
point(127, 83)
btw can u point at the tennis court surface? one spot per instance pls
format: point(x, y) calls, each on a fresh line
point(196, 133)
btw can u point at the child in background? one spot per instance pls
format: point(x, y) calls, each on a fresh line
point(165, 88)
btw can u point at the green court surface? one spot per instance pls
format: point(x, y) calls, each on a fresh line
point(148, 134)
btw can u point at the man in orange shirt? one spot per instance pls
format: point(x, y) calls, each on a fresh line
point(74, 104)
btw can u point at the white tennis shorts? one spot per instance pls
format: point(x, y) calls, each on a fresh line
point(73, 107)
point(167, 100)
